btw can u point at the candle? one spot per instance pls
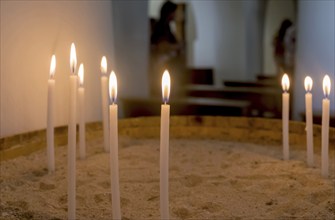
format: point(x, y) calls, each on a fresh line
point(164, 147)
point(114, 155)
point(309, 120)
point(71, 197)
point(286, 98)
point(325, 127)
point(104, 101)
point(50, 117)
point(81, 100)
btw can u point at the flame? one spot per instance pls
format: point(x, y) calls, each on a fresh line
point(285, 82)
point(73, 59)
point(103, 66)
point(308, 83)
point(166, 86)
point(52, 66)
point(326, 85)
point(81, 74)
point(112, 87)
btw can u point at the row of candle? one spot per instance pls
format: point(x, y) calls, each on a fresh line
point(309, 121)
point(81, 100)
point(111, 130)
point(110, 138)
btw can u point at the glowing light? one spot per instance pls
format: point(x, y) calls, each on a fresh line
point(112, 87)
point(81, 74)
point(285, 82)
point(53, 66)
point(103, 65)
point(166, 86)
point(326, 85)
point(308, 84)
point(73, 59)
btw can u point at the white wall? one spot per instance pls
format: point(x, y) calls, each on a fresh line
point(276, 12)
point(31, 31)
point(315, 52)
point(204, 44)
point(131, 25)
point(154, 8)
point(254, 15)
point(229, 44)
point(220, 39)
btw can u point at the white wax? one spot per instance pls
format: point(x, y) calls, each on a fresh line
point(104, 103)
point(286, 150)
point(325, 139)
point(114, 162)
point(50, 127)
point(164, 161)
point(309, 129)
point(82, 143)
point(71, 196)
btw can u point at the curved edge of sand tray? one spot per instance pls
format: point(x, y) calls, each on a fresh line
point(241, 129)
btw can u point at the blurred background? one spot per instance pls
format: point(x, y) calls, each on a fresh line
point(224, 57)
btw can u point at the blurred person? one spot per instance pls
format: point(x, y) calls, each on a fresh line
point(161, 31)
point(165, 51)
point(290, 44)
point(283, 44)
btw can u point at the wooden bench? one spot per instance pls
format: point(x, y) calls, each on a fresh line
point(264, 101)
point(134, 107)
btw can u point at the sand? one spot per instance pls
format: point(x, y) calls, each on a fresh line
point(209, 179)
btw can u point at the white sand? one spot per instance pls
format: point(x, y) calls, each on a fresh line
point(209, 179)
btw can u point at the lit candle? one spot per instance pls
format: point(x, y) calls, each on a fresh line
point(71, 196)
point(286, 97)
point(104, 102)
point(164, 147)
point(81, 100)
point(309, 120)
point(114, 155)
point(50, 117)
point(325, 127)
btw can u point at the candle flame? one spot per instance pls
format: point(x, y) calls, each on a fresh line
point(112, 87)
point(308, 83)
point(326, 85)
point(81, 74)
point(103, 65)
point(166, 86)
point(285, 82)
point(52, 66)
point(73, 59)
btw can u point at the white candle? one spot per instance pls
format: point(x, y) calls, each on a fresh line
point(81, 100)
point(50, 117)
point(104, 102)
point(114, 155)
point(164, 148)
point(309, 121)
point(71, 197)
point(325, 127)
point(286, 104)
